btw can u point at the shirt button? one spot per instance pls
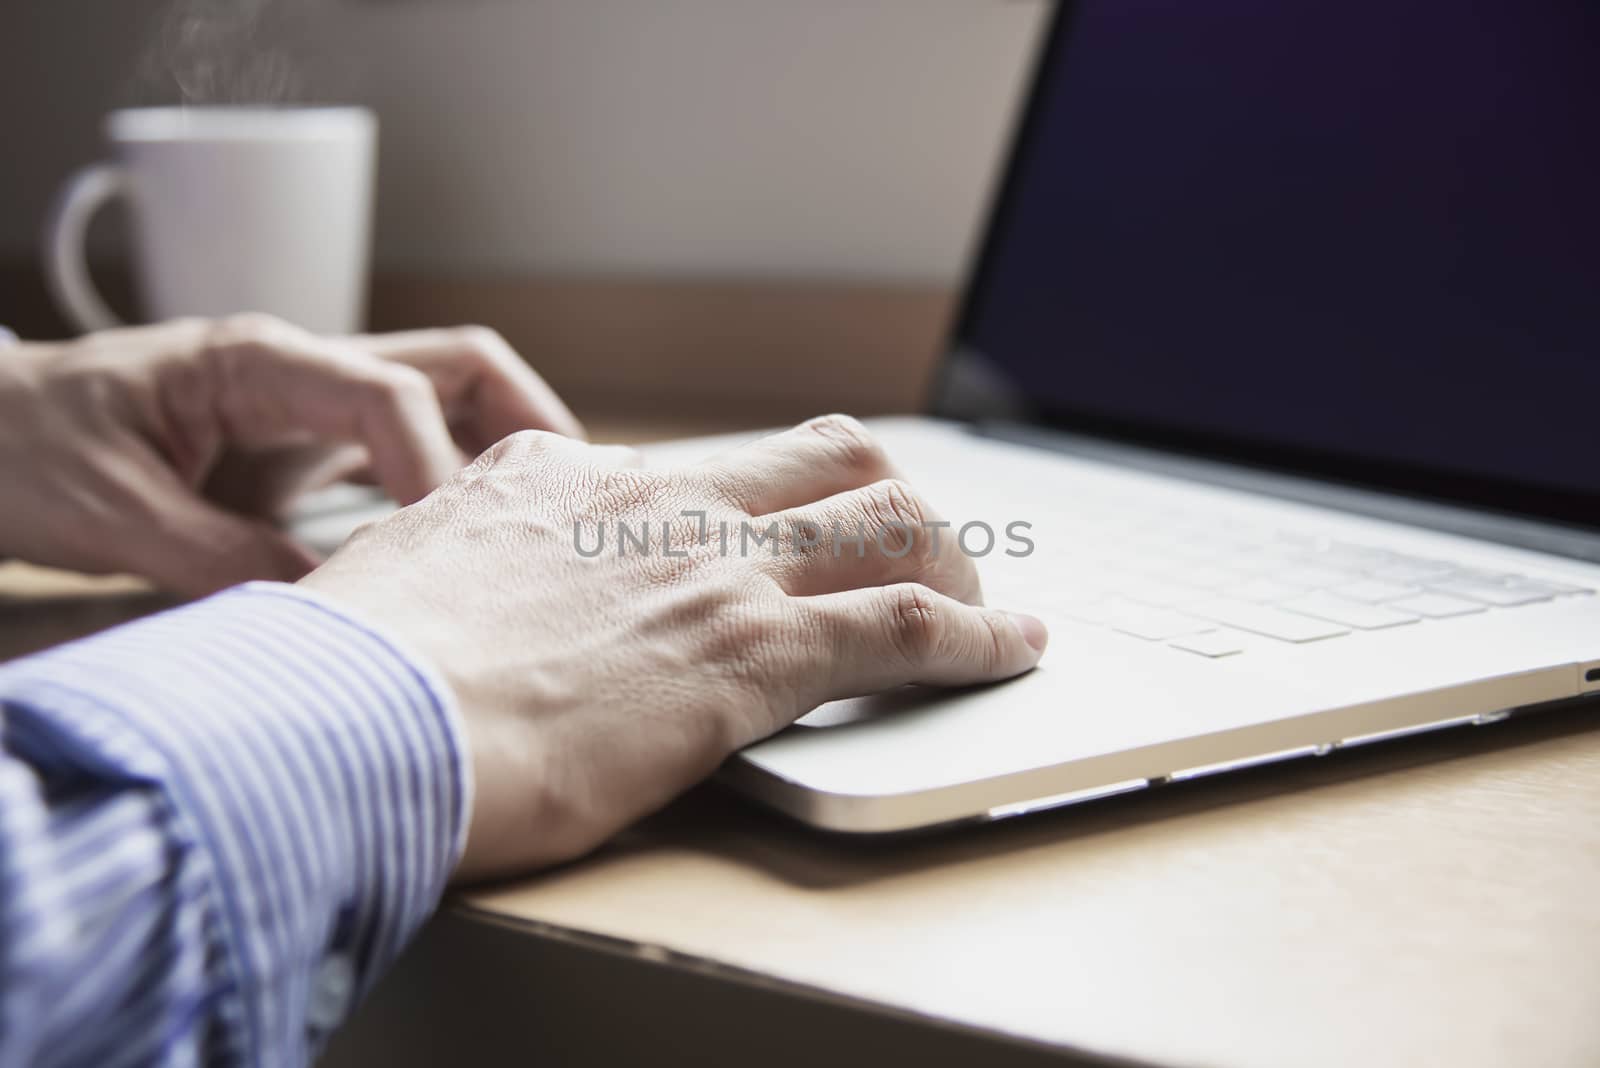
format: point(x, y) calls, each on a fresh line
point(332, 989)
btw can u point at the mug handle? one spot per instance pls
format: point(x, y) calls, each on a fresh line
point(66, 266)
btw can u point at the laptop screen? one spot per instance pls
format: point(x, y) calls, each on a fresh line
point(1356, 239)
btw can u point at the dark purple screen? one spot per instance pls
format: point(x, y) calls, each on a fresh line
point(1363, 229)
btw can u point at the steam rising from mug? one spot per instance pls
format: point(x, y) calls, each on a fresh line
point(222, 52)
point(239, 198)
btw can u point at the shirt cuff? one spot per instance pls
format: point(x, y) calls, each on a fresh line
point(322, 768)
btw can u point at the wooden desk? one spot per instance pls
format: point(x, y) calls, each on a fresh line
point(1429, 902)
point(1432, 902)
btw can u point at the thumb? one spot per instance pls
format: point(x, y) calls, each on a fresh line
point(194, 548)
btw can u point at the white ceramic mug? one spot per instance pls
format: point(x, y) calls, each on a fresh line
point(233, 210)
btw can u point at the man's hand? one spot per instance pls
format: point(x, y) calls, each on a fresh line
point(165, 451)
point(596, 686)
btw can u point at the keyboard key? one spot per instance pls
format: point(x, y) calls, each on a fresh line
point(1478, 574)
point(1412, 569)
point(1263, 619)
point(1375, 591)
point(1313, 577)
point(1350, 613)
point(1559, 589)
point(1264, 590)
point(1196, 576)
point(1555, 589)
point(1158, 593)
point(1154, 624)
point(1092, 612)
point(1489, 592)
point(1213, 644)
point(1342, 555)
point(1436, 606)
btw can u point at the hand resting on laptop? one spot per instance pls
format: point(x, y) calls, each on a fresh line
point(599, 678)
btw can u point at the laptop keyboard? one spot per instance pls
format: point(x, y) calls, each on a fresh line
point(1218, 589)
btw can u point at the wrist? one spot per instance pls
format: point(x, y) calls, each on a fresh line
point(367, 601)
point(381, 627)
point(518, 817)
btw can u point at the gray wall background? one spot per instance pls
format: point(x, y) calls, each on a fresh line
point(808, 138)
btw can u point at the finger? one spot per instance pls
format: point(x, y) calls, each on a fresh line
point(274, 380)
point(487, 389)
point(266, 482)
point(894, 635)
point(817, 459)
point(191, 548)
point(880, 534)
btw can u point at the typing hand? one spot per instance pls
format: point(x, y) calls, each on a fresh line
point(164, 451)
point(597, 682)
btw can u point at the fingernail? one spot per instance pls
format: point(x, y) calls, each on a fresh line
point(1033, 630)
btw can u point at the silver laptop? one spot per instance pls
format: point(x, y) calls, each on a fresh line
point(1284, 346)
point(1284, 339)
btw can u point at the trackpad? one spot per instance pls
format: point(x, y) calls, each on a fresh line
point(903, 701)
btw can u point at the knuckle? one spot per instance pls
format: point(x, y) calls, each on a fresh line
point(895, 509)
point(733, 486)
point(398, 386)
point(194, 325)
point(249, 329)
point(480, 465)
point(915, 620)
point(518, 446)
point(483, 340)
point(407, 381)
point(994, 642)
point(806, 539)
point(848, 437)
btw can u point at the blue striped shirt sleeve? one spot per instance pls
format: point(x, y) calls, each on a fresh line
point(217, 826)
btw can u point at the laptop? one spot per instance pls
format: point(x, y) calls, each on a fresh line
point(1283, 347)
point(1284, 339)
